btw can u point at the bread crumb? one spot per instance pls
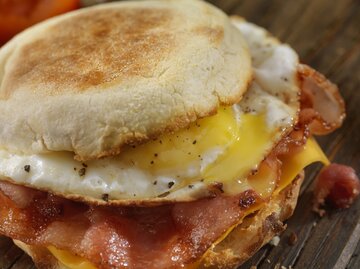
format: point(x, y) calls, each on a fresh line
point(268, 261)
point(275, 241)
point(278, 266)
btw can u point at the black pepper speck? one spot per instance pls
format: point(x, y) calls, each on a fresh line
point(105, 197)
point(27, 168)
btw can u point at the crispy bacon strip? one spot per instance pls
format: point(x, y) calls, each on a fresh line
point(159, 237)
point(323, 110)
point(322, 106)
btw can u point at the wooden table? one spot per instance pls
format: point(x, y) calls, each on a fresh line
point(326, 34)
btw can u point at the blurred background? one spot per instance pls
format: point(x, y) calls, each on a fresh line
point(17, 15)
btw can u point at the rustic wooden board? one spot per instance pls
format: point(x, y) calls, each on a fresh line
point(326, 34)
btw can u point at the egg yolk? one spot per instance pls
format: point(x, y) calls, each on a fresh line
point(241, 143)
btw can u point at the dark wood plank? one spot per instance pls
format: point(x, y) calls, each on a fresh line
point(226, 5)
point(355, 258)
point(24, 262)
point(5, 245)
point(326, 35)
point(10, 255)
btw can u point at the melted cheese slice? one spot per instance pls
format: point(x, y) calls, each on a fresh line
point(291, 167)
point(69, 260)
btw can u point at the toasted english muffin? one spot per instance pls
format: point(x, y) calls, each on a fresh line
point(77, 83)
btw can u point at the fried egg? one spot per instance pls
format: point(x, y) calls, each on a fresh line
point(182, 166)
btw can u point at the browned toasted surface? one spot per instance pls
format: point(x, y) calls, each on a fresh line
point(98, 47)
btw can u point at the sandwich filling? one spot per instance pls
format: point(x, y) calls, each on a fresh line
point(248, 154)
point(168, 236)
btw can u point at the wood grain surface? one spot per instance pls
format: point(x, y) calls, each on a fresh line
point(326, 34)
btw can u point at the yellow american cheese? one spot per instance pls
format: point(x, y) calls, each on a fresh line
point(292, 166)
point(69, 260)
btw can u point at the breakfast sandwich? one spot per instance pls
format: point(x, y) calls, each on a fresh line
point(154, 134)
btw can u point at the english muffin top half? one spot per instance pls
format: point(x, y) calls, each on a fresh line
point(97, 79)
